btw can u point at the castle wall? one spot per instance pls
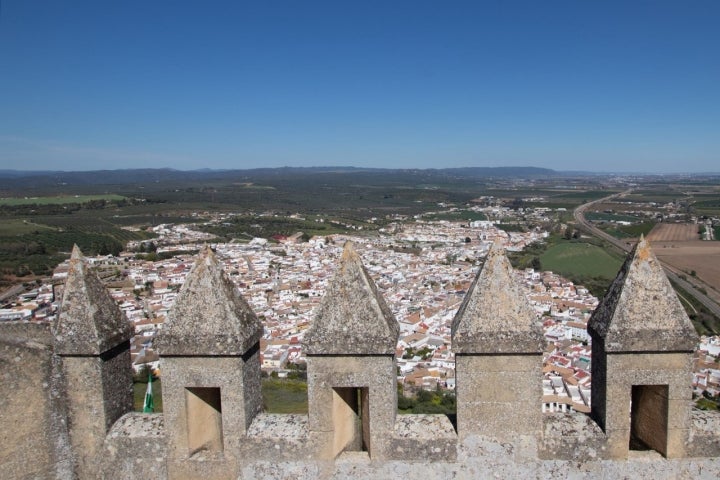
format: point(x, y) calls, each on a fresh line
point(671, 369)
point(136, 448)
point(99, 392)
point(499, 463)
point(63, 410)
point(374, 373)
point(276, 448)
point(240, 398)
point(494, 392)
point(33, 428)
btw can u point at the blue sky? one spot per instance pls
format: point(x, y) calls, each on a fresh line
point(570, 85)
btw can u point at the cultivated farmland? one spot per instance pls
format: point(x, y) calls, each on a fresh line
point(679, 245)
point(580, 259)
point(674, 232)
point(58, 200)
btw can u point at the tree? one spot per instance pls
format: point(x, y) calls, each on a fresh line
point(536, 264)
point(424, 396)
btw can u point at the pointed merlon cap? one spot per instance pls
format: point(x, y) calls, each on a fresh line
point(352, 318)
point(90, 321)
point(495, 316)
point(640, 311)
point(210, 317)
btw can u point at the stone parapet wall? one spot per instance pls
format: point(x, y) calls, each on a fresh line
point(477, 457)
point(33, 409)
point(65, 411)
point(704, 436)
point(136, 447)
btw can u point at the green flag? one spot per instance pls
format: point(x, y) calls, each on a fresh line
point(148, 406)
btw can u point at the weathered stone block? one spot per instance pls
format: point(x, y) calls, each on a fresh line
point(240, 400)
point(209, 316)
point(498, 387)
point(704, 434)
point(423, 438)
point(373, 377)
point(677, 439)
point(470, 364)
point(353, 317)
point(499, 420)
point(571, 437)
point(649, 362)
point(136, 447)
point(33, 411)
point(278, 437)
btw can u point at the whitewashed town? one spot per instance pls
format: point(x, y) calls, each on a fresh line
point(424, 269)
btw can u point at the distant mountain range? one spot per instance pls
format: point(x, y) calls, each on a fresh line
point(168, 175)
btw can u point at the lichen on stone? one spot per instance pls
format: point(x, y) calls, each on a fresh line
point(89, 321)
point(353, 317)
point(209, 316)
point(641, 311)
point(495, 316)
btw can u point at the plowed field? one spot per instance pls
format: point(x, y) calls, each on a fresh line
point(674, 232)
point(679, 246)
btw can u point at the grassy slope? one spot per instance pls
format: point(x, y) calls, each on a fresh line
point(571, 258)
point(284, 395)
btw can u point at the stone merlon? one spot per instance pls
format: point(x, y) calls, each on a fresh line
point(89, 322)
point(209, 317)
point(495, 316)
point(353, 317)
point(640, 311)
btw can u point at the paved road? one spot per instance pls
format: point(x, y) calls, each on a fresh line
point(579, 214)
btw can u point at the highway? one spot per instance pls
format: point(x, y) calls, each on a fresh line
point(579, 214)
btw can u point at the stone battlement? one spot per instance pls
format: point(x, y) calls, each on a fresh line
point(67, 408)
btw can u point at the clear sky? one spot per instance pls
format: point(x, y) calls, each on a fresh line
point(573, 85)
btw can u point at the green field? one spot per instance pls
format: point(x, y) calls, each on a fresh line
point(610, 217)
point(284, 395)
point(279, 395)
point(629, 231)
point(574, 259)
point(707, 205)
point(58, 200)
point(457, 216)
point(584, 196)
point(139, 390)
point(17, 226)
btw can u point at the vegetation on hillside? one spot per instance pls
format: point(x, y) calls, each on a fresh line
point(425, 401)
point(704, 321)
point(32, 245)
